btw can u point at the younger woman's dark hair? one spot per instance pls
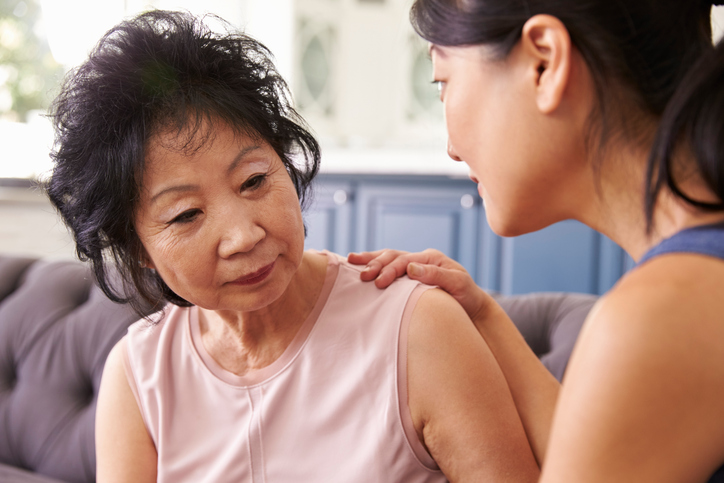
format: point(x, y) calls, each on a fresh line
point(694, 121)
point(639, 53)
point(157, 72)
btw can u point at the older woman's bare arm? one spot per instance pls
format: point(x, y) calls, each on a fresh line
point(125, 452)
point(460, 403)
point(534, 389)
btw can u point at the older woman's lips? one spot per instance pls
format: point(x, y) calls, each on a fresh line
point(256, 277)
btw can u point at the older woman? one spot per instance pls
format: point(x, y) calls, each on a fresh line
point(610, 113)
point(180, 167)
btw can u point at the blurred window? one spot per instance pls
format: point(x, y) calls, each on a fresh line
point(29, 76)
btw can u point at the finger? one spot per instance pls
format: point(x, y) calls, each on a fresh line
point(372, 269)
point(394, 270)
point(436, 257)
point(384, 266)
point(395, 264)
point(426, 257)
point(382, 260)
point(363, 258)
point(392, 264)
point(457, 283)
point(451, 281)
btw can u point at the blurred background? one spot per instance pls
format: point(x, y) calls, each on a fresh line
point(359, 74)
point(361, 78)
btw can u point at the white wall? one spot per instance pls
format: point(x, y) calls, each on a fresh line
point(29, 226)
point(717, 22)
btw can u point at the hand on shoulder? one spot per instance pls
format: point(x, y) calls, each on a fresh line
point(431, 267)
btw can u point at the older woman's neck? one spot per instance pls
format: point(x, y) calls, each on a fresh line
point(248, 341)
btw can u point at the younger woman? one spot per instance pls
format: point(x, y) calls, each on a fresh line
point(610, 113)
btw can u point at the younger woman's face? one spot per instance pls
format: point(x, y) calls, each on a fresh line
point(517, 156)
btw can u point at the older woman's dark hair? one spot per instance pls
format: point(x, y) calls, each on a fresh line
point(640, 52)
point(159, 71)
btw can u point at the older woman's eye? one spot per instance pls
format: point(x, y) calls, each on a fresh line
point(254, 182)
point(185, 217)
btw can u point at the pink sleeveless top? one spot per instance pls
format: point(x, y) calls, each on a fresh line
point(333, 408)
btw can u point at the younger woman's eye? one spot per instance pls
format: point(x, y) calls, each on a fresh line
point(254, 182)
point(440, 87)
point(185, 217)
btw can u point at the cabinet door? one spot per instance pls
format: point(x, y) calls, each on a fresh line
point(328, 218)
point(566, 257)
point(415, 215)
point(356, 213)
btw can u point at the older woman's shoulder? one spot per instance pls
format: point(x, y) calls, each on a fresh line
point(148, 338)
point(170, 315)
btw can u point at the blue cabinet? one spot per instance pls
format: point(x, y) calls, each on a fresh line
point(566, 257)
point(363, 212)
point(327, 220)
point(419, 214)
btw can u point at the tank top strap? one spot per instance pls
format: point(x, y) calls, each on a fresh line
point(704, 240)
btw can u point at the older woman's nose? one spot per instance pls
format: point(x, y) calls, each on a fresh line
point(451, 151)
point(239, 235)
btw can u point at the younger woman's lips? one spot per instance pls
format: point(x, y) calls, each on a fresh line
point(256, 277)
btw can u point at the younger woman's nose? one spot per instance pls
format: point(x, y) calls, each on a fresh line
point(451, 151)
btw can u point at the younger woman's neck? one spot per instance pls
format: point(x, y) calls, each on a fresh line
point(619, 210)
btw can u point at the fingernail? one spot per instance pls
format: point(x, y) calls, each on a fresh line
point(415, 270)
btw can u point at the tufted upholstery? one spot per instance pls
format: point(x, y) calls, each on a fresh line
point(550, 323)
point(56, 329)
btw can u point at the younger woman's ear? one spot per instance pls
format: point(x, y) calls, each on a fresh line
point(547, 44)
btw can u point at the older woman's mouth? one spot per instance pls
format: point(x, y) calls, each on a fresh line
point(255, 277)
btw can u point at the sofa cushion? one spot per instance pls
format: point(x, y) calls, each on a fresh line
point(550, 323)
point(10, 474)
point(56, 329)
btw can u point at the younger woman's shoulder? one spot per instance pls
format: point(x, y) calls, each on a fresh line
point(669, 305)
point(646, 375)
point(677, 283)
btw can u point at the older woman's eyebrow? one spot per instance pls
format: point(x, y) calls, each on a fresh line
point(240, 157)
point(189, 187)
point(173, 189)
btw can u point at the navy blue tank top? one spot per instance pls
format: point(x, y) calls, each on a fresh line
point(705, 240)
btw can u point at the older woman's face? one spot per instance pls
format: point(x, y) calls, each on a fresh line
point(221, 225)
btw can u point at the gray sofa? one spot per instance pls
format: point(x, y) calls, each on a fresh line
point(56, 329)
